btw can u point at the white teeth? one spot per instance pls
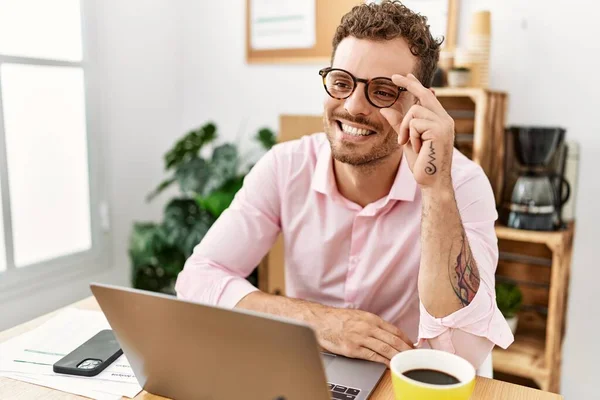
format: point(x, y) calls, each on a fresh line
point(355, 131)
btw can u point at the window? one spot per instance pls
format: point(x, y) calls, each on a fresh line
point(48, 200)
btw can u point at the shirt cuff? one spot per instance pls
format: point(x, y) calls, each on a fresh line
point(481, 318)
point(234, 290)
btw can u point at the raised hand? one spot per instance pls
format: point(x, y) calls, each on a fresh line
point(426, 131)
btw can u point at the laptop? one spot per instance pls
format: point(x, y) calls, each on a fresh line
point(184, 350)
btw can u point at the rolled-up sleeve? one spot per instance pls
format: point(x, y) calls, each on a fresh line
point(472, 331)
point(235, 244)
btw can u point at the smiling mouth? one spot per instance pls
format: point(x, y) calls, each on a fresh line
point(351, 130)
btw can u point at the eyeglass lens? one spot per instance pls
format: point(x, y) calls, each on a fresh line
point(381, 91)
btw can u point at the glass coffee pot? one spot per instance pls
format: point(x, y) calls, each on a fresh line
point(538, 192)
point(536, 201)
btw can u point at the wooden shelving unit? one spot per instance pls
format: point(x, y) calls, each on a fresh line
point(479, 117)
point(537, 351)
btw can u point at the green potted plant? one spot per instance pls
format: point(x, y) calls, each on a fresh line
point(509, 299)
point(207, 186)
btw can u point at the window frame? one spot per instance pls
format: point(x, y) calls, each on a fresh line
point(15, 282)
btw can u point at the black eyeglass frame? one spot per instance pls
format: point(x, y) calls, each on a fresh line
point(323, 72)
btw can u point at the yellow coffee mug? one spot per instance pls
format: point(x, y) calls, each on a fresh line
point(406, 388)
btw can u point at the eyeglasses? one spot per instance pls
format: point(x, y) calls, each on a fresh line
point(340, 84)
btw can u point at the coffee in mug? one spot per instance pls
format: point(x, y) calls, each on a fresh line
point(426, 374)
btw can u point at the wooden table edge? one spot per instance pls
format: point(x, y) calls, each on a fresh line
point(484, 388)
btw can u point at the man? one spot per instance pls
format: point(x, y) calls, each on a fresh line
point(389, 231)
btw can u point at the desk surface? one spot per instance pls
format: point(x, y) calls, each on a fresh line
point(487, 389)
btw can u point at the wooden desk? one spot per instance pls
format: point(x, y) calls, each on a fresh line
point(487, 389)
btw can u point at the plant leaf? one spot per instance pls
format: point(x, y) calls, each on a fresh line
point(161, 275)
point(216, 202)
point(266, 137)
point(223, 167)
point(141, 243)
point(163, 185)
point(234, 184)
point(189, 146)
point(155, 263)
point(193, 175)
point(185, 224)
point(509, 298)
point(197, 233)
point(219, 200)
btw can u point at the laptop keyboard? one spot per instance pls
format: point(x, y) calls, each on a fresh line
point(339, 392)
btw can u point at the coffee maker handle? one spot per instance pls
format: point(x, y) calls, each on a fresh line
point(567, 194)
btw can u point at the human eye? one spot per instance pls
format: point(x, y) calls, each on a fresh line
point(342, 84)
point(384, 93)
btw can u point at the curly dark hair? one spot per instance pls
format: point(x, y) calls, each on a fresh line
point(389, 20)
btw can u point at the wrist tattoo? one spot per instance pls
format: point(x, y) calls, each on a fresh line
point(464, 275)
point(430, 169)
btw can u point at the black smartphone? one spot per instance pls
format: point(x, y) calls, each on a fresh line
point(92, 357)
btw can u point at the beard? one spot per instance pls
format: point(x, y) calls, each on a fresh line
point(355, 153)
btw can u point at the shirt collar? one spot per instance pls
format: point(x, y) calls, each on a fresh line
point(323, 181)
point(405, 186)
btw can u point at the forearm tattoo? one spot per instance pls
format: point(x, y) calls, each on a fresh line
point(430, 169)
point(464, 275)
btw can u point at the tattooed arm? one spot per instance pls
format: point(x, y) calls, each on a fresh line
point(459, 244)
point(448, 277)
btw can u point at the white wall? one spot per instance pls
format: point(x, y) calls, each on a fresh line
point(220, 86)
point(140, 49)
point(544, 54)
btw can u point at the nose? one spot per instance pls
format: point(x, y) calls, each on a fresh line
point(357, 103)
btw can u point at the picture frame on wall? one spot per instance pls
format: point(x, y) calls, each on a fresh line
point(301, 31)
point(292, 31)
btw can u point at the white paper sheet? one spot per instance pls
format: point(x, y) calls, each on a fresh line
point(87, 389)
point(30, 357)
point(282, 24)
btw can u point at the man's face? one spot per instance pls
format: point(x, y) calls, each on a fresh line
point(347, 121)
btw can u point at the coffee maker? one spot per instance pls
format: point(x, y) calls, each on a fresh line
point(535, 187)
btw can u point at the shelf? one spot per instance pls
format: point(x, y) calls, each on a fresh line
point(549, 238)
point(458, 91)
point(525, 357)
point(536, 351)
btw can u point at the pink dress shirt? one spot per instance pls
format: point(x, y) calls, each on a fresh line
point(343, 255)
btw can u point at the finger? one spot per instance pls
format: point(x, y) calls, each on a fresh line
point(380, 347)
point(394, 118)
point(394, 330)
point(420, 112)
point(416, 111)
point(415, 138)
point(394, 341)
point(425, 127)
point(369, 354)
point(420, 130)
point(424, 95)
point(404, 131)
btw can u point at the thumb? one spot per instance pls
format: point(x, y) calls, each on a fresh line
point(394, 118)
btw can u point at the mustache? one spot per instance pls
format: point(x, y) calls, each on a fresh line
point(357, 120)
